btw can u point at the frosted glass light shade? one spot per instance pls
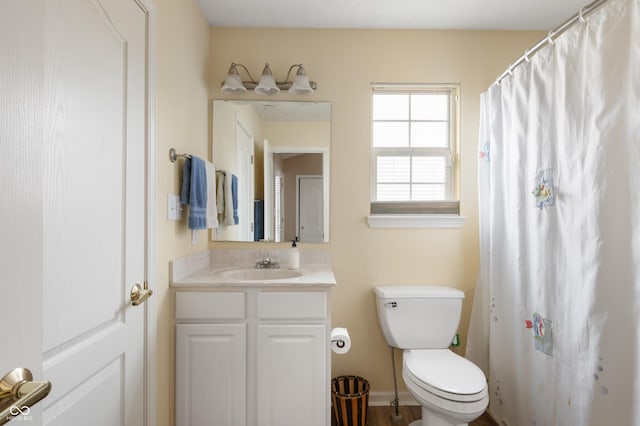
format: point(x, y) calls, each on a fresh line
point(267, 84)
point(300, 85)
point(233, 84)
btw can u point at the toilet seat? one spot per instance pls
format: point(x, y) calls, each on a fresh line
point(445, 374)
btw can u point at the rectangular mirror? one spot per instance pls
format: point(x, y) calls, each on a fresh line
point(279, 153)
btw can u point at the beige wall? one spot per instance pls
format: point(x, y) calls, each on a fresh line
point(182, 122)
point(344, 63)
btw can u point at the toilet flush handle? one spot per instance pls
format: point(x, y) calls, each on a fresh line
point(391, 304)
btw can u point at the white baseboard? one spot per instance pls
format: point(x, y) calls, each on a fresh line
point(385, 398)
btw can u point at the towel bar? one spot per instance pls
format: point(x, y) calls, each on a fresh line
point(173, 155)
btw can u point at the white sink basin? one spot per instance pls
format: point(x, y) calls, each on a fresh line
point(251, 274)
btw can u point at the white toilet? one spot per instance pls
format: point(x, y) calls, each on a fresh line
point(423, 321)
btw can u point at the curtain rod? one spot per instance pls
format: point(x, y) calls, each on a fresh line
point(578, 17)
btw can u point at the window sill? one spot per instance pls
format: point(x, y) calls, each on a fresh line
point(377, 221)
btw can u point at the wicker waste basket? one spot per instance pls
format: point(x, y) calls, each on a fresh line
point(350, 399)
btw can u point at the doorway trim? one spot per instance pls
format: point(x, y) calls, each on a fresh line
point(150, 331)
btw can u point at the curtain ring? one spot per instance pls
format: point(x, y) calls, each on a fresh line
point(549, 37)
point(526, 55)
point(581, 16)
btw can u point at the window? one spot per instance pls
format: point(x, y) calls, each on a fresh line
point(414, 134)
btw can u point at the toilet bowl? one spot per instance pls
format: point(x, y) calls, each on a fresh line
point(423, 320)
point(451, 389)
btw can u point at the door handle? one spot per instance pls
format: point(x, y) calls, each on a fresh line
point(18, 393)
point(139, 294)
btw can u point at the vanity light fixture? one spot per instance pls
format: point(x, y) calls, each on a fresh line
point(267, 84)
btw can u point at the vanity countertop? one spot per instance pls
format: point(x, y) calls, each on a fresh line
point(210, 269)
point(311, 275)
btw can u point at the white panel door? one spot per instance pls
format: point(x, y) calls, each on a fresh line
point(76, 234)
point(292, 375)
point(94, 211)
point(211, 374)
point(310, 209)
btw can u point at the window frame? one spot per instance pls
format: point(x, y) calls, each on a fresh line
point(406, 213)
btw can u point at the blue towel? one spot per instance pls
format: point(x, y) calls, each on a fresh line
point(234, 195)
point(258, 219)
point(194, 192)
point(186, 182)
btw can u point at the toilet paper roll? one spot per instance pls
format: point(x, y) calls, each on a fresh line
point(340, 340)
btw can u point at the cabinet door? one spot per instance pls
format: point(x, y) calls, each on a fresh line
point(210, 374)
point(292, 375)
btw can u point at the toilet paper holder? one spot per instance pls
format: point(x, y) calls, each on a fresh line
point(339, 342)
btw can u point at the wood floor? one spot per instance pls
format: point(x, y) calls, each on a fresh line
point(382, 416)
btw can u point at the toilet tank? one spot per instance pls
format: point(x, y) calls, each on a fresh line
point(418, 316)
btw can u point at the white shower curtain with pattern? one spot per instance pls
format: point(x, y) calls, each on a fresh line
point(556, 316)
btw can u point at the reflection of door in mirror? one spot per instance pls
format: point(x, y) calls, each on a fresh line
point(244, 161)
point(309, 217)
point(235, 159)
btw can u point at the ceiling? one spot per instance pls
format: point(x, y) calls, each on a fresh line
point(399, 14)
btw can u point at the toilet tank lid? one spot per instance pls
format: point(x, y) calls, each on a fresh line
point(417, 291)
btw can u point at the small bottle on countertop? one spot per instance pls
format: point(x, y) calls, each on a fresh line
point(294, 256)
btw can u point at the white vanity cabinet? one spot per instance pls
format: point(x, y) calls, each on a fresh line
point(211, 346)
point(211, 374)
point(254, 356)
point(292, 348)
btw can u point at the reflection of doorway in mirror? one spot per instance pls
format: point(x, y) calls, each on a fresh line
point(310, 211)
point(244, 162)
point(295, 165)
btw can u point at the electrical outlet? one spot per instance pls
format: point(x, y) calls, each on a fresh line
point(174, 208)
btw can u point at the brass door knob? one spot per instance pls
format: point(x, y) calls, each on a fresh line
point(18, 393)
point(139, 294)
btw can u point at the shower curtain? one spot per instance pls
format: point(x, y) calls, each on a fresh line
point(556, 316)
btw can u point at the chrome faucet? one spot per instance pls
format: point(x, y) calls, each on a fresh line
point(267, 263)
